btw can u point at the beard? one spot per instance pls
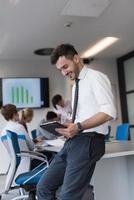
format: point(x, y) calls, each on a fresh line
point(71, 76)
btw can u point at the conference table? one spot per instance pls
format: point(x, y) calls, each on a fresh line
point(113, 178)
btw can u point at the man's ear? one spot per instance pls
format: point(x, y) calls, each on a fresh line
point(76, 58)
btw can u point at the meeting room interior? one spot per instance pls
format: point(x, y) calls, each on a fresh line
point(102, 31)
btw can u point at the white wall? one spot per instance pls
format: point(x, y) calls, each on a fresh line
point(57, 83)
point(34, 69)
point(108, 66)
point(30, 69)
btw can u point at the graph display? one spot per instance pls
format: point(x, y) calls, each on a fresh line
point(22, 92)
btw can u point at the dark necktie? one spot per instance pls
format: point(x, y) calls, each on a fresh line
point(75, 99)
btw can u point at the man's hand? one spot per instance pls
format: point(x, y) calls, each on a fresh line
point(70, 131)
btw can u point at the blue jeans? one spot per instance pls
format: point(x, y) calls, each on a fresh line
point(72, 168)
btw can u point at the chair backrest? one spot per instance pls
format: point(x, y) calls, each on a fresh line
point(13, 143)
point(16, 175)
point(5, 143)
point(10, 142)
point(122, 132)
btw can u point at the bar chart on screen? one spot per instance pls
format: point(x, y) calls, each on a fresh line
point(21, 95)
point(22, 92)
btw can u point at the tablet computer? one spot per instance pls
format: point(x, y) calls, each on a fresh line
point(51, 126)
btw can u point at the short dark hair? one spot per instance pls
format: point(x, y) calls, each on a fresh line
point(56, 99)
point(8, 111)
point(51, 115)
point(66, 50)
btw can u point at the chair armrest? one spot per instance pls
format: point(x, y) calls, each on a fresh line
point(26, 154)
point(35, 153)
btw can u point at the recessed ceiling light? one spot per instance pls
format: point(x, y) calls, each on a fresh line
point(68, 24)
point(44, 51)
point(99, 46)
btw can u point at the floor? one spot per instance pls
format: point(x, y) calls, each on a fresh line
point(88, 195)
point(11, 194)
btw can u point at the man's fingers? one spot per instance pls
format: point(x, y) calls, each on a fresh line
point(63, 131)
point(66, 124)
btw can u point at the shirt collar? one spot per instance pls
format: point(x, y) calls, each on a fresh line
point(83, 72)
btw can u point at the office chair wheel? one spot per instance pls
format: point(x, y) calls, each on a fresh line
point(32, 195)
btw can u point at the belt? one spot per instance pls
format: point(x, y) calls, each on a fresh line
point(93, 134)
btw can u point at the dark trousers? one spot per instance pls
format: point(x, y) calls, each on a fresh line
point(72, 168)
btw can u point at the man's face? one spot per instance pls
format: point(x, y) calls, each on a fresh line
point(61, 103)
point(68, 67)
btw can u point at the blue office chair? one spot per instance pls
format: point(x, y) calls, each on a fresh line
point(19, 173)
point(122, 132)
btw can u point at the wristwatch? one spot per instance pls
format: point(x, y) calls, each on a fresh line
point(79, 127)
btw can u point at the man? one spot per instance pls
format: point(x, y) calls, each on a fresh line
point(74, 165)
point(62, 108)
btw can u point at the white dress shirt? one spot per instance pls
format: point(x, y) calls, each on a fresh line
point(19, 130)
point(65, 111)
point(95, 95)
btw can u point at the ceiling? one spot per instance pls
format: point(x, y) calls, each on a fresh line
point(27, 25)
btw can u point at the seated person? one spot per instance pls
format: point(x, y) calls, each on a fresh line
point(25, 116)
point(62, 108)
point(50, 116)
point(10, 113)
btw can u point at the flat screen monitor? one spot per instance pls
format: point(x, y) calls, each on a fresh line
point(25, 92)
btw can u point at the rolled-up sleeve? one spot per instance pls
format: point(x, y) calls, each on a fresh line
point(103, 94)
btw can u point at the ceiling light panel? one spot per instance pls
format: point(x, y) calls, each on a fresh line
point(88, 8)
point(99, 46)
